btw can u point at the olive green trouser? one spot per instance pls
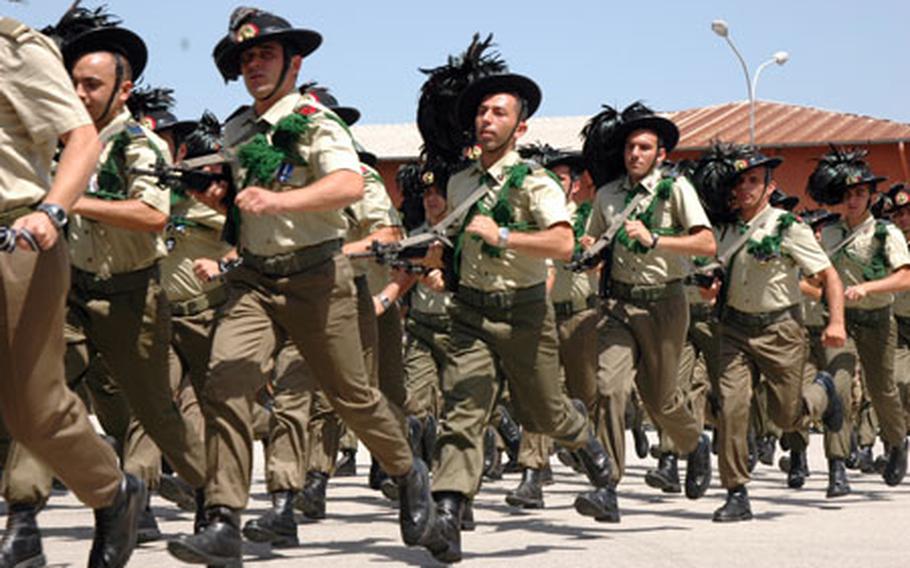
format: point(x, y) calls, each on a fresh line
point(285, 466)
point(840, 364)
point(578, 358)
point(522, 341)
point(316, 309)
point(902, 365)
point(131, 330)
point(778, 351)
point(326, 432)
point(642, 341)
point(424, 364)
point(40, 411)
point(699, 354)
point(874, 341)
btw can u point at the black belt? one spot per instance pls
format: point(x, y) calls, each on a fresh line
point(286, 264)
point(116, 283)
point(903, 320)
point(211, 299)
point(439, 322)
point(572, 307)
point(701, 312)
point(501, 300)
point(645, 292)
point(760, 319)
point(867, 317)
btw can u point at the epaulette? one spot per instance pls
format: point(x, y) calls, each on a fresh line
point(134, 130)
point(14, 30)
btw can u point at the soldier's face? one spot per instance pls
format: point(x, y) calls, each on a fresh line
point(901, 218)
point(857, 200)
point(261, 67)
point(95, 78)
point(750, 190)
point(495, 121)
point(434, 203)
point(641, 153)
point(564, 173)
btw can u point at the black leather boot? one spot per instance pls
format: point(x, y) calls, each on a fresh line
point(116, 526)
point(546, 475)
point(642, 445)
point(377, 475)
point(752, 444)
point(467, 516)
point(311, 501)
point(220, 544)
point(594, 461)
point(444, 541)
point(415, 504)
point(428, 444)
point(833, 418)
point(199, 521)
point(176, 490)
point(864, 460)
point(511, 434)
point(799, 469)
point(736, 508)
point(767, 445)
point(21, 545)
point(415, 434)
point(896, 468)
point(492, 457)
point(148, 527)
point(529, 493)
point(838, 486)
point(601, 504)
point(666, 475)
point(698, 469)
point(277, 525)
point(347, 464)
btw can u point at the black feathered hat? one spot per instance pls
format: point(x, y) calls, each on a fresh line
point(412, 181)
point(550, 157)
point(783, 201)
point(601, 158)
point(443, 135)
point(523, 87)
point(252, 26)
point(818, 218)
point(349, 115)
point(82, 31)
point(639, 117)
point(836, 172)
point(713, 178)
point(205, 138)
point(152, 108)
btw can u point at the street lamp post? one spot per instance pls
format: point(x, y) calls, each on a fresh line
point(721, 28)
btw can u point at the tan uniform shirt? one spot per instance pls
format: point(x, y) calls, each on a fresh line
point(540, 202)
point(680, 213)
point(852, 259)
point(569, 286)
point(102, 249)
point(367, 216)
point(763, 285)
point(325, 146)
point(814, 313)
point(195, 231)
point(37, 106)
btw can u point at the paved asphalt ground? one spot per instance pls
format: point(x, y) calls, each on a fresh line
point(792, 528)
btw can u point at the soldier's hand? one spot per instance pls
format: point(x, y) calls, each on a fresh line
point(434, 280)
point(710, 294)
point(835, 335)
point(485, 228)
point(41, 228)
point(206, 269)
point(637, 230)
point(433, 258)
point(855, 293)
point(259, 201)
point(213, 196)
point(586, 241)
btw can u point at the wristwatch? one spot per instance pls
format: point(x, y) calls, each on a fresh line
point(503, 241)
point(384, 300)
point(56, 213)
point(654, 239)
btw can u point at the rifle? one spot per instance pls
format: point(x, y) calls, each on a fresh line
point(182, 178)
point(588, 259)
point(400, 251)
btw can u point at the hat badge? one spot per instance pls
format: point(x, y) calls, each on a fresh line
point(852, 179)
point(247, 31)
point(740, 165)
point(427, 178)
point(148, 122)
point(902, 198)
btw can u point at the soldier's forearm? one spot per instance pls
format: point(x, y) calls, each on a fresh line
point(77, 162)
point(334, 191)
point(897, 281)
point(834, 295)
point(700, 242)
point(130, 214)
point(556, 242)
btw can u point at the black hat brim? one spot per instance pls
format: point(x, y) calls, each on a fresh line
point(575, 162)
point(766, 162)
point(874, 180)
point(471, 97)
point(789, 203)
point(367, 158)
point(349, 115)
point(665, 129)
point(227, 52)
point(180, 128)
point(116, 40)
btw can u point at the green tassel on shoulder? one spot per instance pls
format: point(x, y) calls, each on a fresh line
point(112, 175)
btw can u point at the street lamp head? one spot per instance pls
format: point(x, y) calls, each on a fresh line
point(781, 57)
point(721, 28)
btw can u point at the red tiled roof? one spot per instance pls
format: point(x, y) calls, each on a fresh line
point(783, 125)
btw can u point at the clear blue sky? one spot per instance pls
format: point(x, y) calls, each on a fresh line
point(845, 56)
